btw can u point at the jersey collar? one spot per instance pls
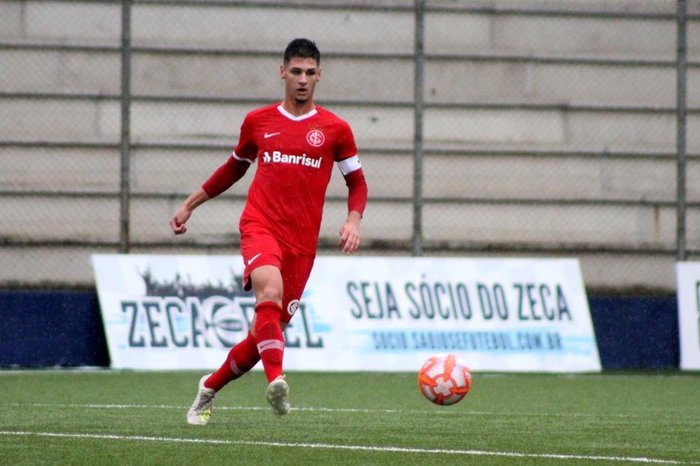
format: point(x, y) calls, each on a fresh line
point(294, 117)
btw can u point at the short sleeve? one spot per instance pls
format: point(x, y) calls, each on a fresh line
point(346, 146)
point(247, 148)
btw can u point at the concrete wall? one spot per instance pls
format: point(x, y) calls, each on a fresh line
point(549, 125)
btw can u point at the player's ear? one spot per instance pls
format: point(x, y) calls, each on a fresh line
point(282, 68)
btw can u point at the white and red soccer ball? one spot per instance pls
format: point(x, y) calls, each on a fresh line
point(444, 379)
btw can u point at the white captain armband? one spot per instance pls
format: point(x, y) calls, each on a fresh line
point(349, 165)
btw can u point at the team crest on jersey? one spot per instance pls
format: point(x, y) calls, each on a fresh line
point(315, 138)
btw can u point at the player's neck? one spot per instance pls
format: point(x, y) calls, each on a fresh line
point(298, 108)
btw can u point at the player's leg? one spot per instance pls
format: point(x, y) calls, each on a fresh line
point(267, 286)
point(296, 273)
point(258, 248)
point(240, 359)
point(263, 259)
point(297, 270)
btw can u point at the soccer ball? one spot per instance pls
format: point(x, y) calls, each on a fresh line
point(444, 379)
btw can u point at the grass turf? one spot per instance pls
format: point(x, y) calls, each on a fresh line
point(126, 417)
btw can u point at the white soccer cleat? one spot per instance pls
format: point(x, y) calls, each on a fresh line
point(203, 405)
point(278, 396)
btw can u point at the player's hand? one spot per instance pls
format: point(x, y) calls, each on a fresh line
point(178, 222)
point(350, 233)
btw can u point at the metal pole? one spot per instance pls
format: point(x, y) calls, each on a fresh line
point(125, 139)
point(681, 132)
point(418, 130)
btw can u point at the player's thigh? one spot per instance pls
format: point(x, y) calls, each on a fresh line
point(267, 283)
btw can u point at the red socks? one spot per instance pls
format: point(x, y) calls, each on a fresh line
point(268, 346)
point(241, 358)
point(269, 338)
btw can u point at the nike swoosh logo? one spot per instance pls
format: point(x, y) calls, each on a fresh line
point(269, 135)
point(254, 257)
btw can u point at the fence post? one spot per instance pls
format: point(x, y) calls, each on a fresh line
point(681, 109)
point(125, 138)
point(419, 70)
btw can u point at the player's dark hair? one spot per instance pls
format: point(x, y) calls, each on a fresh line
point(303, 48)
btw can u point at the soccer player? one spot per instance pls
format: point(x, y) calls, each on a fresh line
point(296, 144)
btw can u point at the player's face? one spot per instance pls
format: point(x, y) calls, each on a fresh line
point(300, 76)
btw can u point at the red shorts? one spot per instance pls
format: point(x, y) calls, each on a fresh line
point(259, 247)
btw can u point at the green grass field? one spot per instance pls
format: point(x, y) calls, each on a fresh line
point(125, 417)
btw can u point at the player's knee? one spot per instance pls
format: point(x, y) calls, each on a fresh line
point(270, 293)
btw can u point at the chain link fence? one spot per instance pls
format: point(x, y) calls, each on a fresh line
point(485, 127)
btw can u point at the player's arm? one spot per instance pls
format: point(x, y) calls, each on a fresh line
point(223, 178)
point(357, 200)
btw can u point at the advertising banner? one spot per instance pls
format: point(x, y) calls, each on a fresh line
point(357, 313)
point(688, 279)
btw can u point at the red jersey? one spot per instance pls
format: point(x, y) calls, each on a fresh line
point(295, 161)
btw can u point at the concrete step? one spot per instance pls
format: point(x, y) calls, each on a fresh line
point(453, 176)
point(490, 80)
point(97, 119)
point(386, 30)
point(97, 219)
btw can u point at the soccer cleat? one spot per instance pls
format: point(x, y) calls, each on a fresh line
point(203, 405)
point(278, 396)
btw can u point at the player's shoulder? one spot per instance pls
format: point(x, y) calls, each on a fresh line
point(261, 112)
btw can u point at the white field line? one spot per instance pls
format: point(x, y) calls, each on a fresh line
point(331, 446)
point(436, 412)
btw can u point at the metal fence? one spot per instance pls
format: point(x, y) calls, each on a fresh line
point(486, 127)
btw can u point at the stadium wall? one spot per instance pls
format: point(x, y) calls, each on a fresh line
point(64, 328)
